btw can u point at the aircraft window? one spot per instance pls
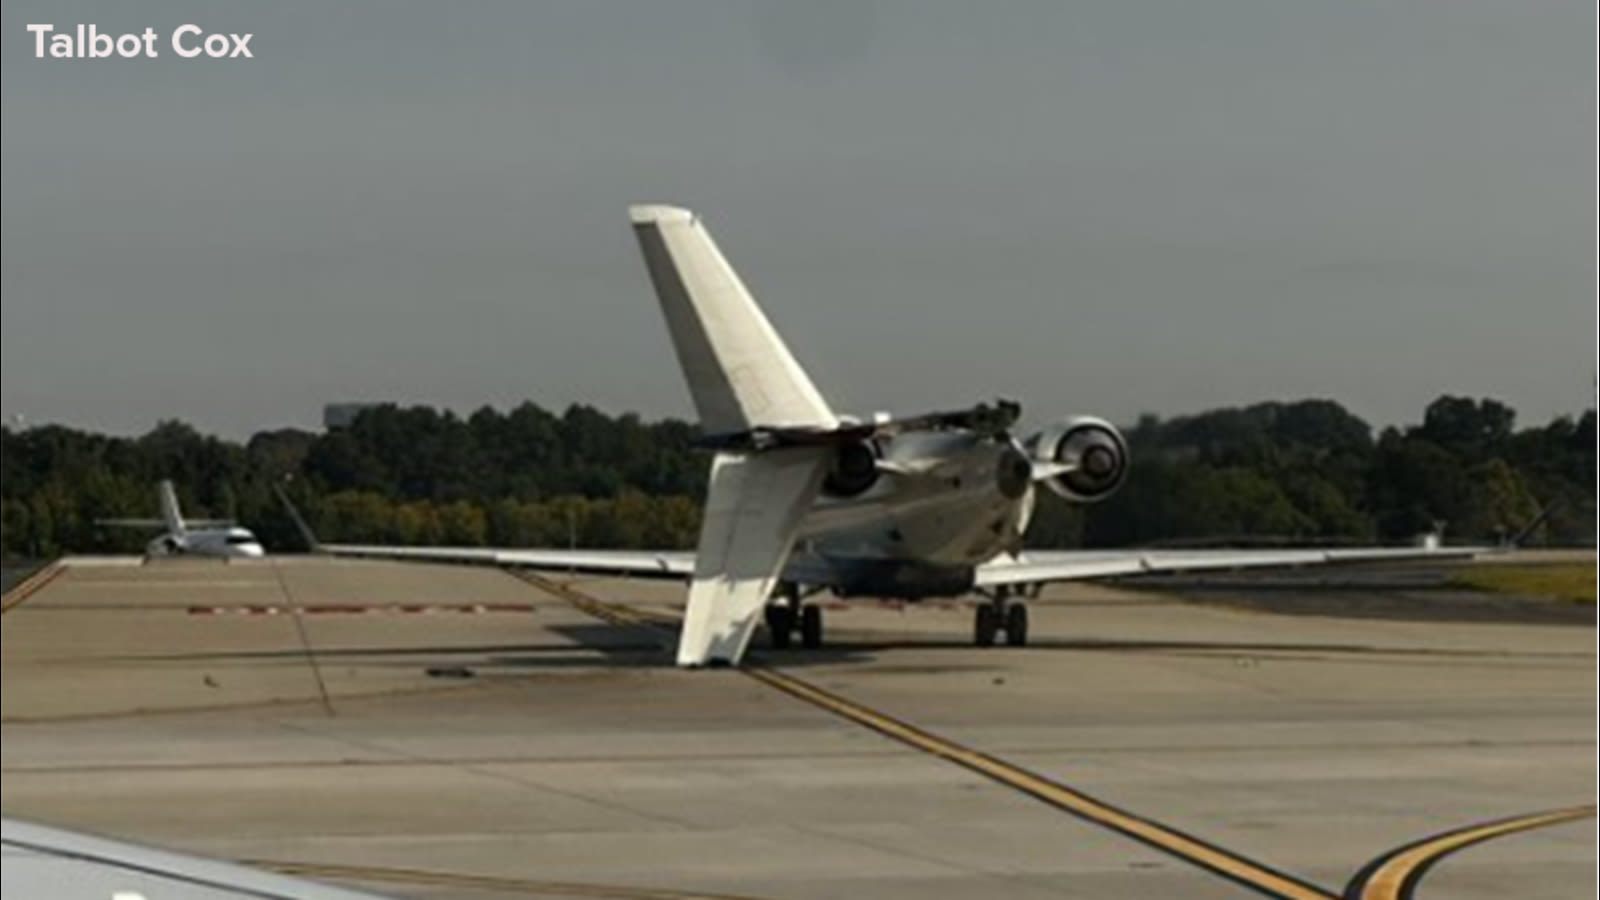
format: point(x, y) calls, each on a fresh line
point(241, 539)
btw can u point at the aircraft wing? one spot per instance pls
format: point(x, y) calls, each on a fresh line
point(1041, 566)
point(51, 862)
point(674, 564)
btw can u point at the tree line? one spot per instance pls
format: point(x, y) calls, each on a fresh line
point(1280, 472)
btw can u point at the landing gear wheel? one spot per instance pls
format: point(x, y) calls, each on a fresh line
point(811, 626)
point(985, 622)
point(780, 626)
point(1017, 625)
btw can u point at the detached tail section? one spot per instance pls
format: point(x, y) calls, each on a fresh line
point(740, 373)
point(754, 506)
point(743, 380)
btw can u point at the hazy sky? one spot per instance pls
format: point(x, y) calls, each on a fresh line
point(1111, 207)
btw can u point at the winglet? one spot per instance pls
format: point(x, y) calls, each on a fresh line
point(1523, 533)
point(312, 544)
point(740, 373)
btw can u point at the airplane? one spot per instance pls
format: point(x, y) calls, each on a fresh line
point(803, 499)
point(191, 537)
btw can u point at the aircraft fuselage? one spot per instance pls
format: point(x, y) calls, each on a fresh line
point(232, 542)
point(945, 502)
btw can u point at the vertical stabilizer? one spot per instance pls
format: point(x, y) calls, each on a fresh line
point(169, 508)
point(739, 371)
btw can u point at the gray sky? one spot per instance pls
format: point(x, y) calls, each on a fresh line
point(1112, 208)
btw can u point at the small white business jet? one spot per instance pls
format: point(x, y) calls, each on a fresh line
point(803, 499)
point(191, 537)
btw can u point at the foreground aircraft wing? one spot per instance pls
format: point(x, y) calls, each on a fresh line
point(1041, 566)
point(51, 862)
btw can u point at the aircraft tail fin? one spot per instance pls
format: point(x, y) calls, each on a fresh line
point(170, 515)
point(740, 373)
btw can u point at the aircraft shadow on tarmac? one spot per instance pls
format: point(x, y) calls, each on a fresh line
point(636, 646)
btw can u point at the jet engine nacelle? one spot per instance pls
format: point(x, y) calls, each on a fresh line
point(1093, 447)
point(853, 470)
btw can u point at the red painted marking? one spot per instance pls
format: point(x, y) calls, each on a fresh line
point(415, 609)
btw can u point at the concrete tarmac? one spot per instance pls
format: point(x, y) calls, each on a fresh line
point(437, 731)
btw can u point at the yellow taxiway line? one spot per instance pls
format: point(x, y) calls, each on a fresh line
point(1392, 876)
point(30, 586)
point(1395, 875)
point(1208, 856)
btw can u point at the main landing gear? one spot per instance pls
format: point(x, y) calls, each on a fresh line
point(784, 619)
point(1000, 613)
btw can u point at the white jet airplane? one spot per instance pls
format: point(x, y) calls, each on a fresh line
point(803, 499)
point(191, 537)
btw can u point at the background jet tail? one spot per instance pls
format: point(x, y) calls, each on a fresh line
point(739, 371)
point(170, 516)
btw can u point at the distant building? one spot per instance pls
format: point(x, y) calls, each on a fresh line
point(340, 415)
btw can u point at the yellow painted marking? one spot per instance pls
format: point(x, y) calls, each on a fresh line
point(606, 612)
point(1216, 859)
point(1389, 878)
point(501, 885)
point(29, 586)
point(1396, 878)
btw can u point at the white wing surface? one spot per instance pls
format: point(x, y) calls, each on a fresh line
point(643, 563)
point(1040, 567)
point(41, 861)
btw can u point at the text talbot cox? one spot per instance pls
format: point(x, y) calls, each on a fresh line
point(188, 41)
